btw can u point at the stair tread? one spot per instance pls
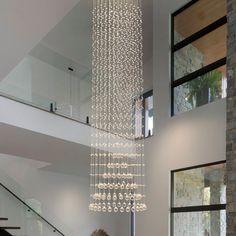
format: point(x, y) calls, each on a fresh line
point(4, 233)
point(10, 227)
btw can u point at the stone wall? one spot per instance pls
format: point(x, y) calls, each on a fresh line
point(231, 120)
point(188, 191)
point(197, 187)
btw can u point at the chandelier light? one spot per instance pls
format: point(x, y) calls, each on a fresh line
point(117, 149)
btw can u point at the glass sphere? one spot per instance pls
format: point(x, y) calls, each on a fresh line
point(121, 196)
point(108, 196)
point(103, 196)
point(144, 207)
point(114, 197)
point(127, 209)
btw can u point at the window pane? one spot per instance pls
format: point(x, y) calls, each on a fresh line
point(208, 223)
point(200, 186)
point(200, 91)
point(200, 53)
point(149, 116)
point(138, 118)
point(197, 17)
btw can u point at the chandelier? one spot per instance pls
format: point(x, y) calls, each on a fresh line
point(117, 149)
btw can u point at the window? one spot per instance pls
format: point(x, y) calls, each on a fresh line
point(198, 200)
point(144, 116)
point(148, 113)
point(198, 54)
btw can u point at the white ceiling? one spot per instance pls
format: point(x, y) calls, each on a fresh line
point(23, 24)
point(72, 36)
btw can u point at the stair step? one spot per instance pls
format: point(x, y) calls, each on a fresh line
point(9, 227)
point(4, 233)
point(3, 218)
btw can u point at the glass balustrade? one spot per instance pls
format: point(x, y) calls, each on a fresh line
point(49, 81)
point(23, 216)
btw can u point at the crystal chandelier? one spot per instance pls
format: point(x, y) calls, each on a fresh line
point(117, 156)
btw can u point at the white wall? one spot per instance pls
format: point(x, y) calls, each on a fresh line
point(193, 138)
point(64, 198)
point(18, 81)
point(23, 24)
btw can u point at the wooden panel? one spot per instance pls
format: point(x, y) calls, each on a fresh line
point(213, 45)
point(198, 16)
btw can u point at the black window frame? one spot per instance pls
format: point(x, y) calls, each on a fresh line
point(213, 207)
point(197, 35)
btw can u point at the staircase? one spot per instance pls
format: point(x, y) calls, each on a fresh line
point(20, 219)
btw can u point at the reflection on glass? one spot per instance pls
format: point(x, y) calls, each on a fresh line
point(196, 17)
point(144, 117)
point(138, 122)
point(200, 91)
point(21, 94)
point(41, 79)
point(149, 116)
point(200, 186)
point(22, 216)
point(208, 223)
point(200, 53)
